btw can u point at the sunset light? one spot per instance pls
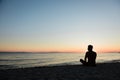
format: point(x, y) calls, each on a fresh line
point(58, 25)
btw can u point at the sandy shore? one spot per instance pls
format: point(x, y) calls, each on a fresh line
point(104, 71)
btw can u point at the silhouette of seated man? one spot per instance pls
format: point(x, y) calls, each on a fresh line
point(90, 57)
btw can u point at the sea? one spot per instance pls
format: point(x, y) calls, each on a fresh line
point(13, 60)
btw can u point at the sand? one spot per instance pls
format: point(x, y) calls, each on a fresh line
point(103, 71)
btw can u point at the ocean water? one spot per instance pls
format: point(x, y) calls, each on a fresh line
point(23, 60)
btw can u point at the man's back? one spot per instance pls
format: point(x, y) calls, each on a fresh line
point(91, 55)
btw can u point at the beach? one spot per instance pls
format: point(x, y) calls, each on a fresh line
point(103, 71)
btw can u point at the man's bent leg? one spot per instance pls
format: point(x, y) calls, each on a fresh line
point(83, 62)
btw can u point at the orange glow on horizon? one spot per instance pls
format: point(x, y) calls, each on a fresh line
point(59, 49)
point(56, 48)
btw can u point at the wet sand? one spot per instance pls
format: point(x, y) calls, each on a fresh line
point(103, 71)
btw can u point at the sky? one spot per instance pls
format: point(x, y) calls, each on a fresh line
point(59, 25)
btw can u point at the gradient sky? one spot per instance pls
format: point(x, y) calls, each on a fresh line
point(59, 25)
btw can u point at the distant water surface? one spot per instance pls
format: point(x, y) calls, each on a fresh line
point(22, 60)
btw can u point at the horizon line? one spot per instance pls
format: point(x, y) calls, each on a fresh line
point(54, 52)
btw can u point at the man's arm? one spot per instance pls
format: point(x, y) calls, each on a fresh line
point(85, 57)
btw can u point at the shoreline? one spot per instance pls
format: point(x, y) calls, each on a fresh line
point(103, 71)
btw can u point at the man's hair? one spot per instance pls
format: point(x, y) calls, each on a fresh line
point(90, 46)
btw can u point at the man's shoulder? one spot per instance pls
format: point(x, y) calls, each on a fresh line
point(91, 52)
point(87, 52)
point(94, 53)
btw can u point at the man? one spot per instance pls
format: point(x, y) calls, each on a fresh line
point(90, 57)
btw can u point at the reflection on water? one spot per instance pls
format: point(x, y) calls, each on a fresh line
point(16, 60)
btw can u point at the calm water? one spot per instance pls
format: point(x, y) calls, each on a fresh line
point(18, 60)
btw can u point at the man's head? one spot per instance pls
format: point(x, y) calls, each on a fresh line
point(90, 47)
